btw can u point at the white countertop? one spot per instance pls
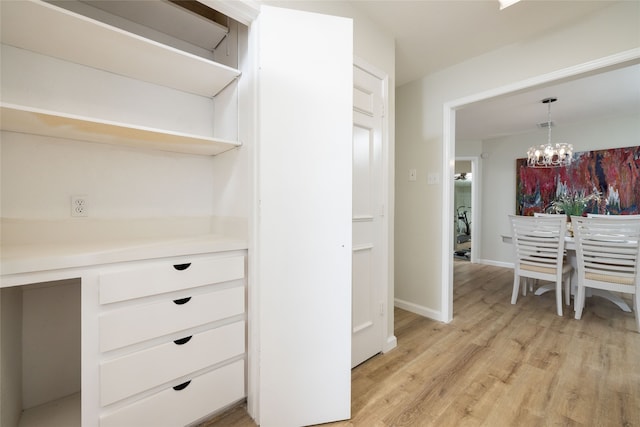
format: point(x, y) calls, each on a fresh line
point(31, 258)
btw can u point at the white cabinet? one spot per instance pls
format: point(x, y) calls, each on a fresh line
point(141, 370)
point(157, 278)
point(304, 226)
point(99, 51)
point(185, 403)
point(139, 355)
point(168, 315)
point(174, 353)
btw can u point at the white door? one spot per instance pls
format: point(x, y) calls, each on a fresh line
point(303, 235)
point(368, 213)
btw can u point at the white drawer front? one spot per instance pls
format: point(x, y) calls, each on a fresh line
point(202, 396)
point(134, 373)
point(131, 325)
point(160, 277)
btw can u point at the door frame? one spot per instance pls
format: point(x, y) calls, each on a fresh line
point(389, 340)
point(449, 148)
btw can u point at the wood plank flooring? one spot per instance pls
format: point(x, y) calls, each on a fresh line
point(498, 364)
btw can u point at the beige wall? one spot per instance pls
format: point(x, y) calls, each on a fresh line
point(419, 136)
point(463, 166)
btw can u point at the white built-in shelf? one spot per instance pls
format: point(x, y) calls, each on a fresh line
point(64, 412)
point(50, 30)
point(35, 121)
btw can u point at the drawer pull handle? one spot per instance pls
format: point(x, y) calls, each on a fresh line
point(183, 340)
point(181, 300)
point(182, 386)
point(181, 267)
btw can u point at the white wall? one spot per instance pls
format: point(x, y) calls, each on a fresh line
point(39, 174)
point(468, 148)
point(10, 356)
point(50, 342)
point(419, 137)
point(499, 179)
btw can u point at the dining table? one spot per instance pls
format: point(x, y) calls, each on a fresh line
point(570, 249)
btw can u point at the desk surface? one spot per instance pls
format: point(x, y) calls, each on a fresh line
point(30, 259)
point(52, 248)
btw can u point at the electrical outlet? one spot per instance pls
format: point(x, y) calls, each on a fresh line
point(79, 206)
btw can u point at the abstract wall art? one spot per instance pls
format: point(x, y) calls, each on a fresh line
point(613, 174)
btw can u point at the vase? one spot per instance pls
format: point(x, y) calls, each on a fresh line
point(569, 226)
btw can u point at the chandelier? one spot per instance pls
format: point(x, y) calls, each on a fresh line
point(549, 155)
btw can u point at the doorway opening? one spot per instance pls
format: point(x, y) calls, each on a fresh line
point(465, 202)
point(462, 183)
point(449, 147)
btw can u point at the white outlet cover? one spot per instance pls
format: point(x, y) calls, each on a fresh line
point(79, 206)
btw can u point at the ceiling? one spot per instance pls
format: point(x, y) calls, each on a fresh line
point(432, 35)
point(615, 92)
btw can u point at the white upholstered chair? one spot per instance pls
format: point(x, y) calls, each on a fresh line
point(608, 251)
point(539, 249)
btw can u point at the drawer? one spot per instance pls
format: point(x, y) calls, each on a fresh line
point(177, 407)
point(119, 328)
point(134, 373)
point(160, 277)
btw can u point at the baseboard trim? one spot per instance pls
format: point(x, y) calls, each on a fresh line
point(392, 342)
point(419, 309)
point(437, 314)
point(496, 263)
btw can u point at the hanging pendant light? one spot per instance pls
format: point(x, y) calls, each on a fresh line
point(548, 155)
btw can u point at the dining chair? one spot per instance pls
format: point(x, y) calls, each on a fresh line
point(555, 215)
point(614, 217)
point(539, 248)
point(608, 252)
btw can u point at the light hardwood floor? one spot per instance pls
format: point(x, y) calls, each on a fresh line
point(498, 364)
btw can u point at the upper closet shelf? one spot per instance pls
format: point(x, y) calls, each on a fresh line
point(51, 30)
point(22, 119)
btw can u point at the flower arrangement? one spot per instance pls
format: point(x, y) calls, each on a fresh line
point(573, 202)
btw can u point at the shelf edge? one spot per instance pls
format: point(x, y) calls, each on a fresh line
point(37, 26)
point(22, 119)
